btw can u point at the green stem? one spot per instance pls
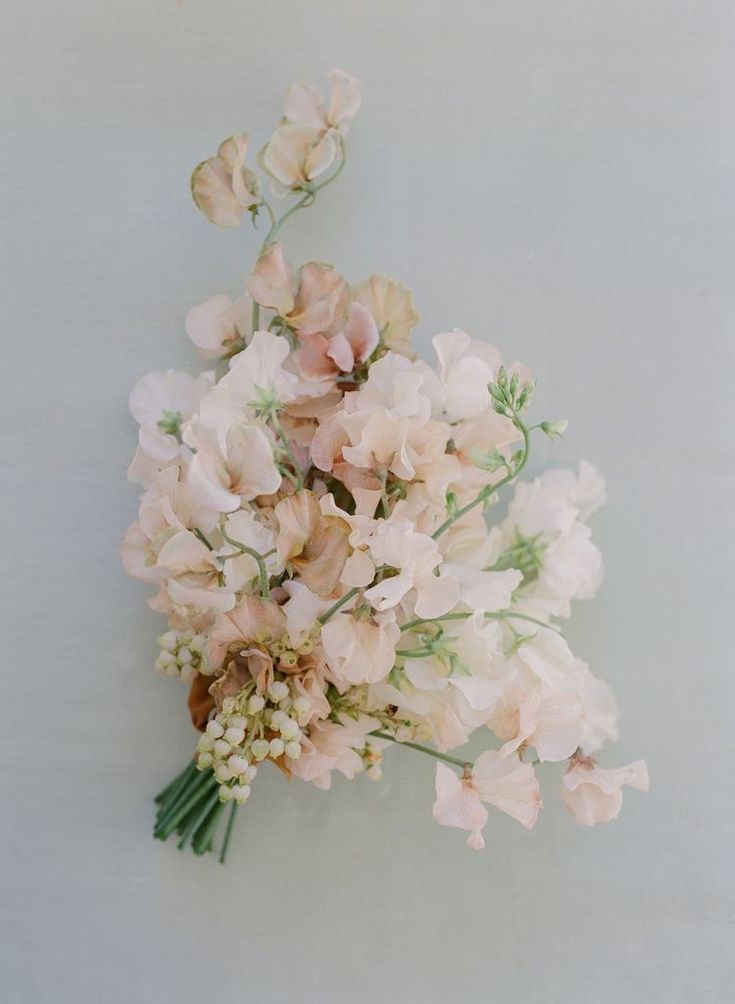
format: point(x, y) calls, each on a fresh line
point(489, 490)
point(423, 749)
point(168, 824)
point(202, 838)
point(228, 833)
point(493, 615)
point(198, 533)
point(258, 558)
point(340, 603)
point(306, 200)
point(299, 483)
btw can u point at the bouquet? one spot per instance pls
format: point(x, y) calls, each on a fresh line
point(319, 523)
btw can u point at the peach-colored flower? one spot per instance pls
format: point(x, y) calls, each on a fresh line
point(315, 545)
point(360, 649)
point(392, 308)
point(594, 795)
point(505, 783)
point(334, 333)
point(254, 620)
point(222, 187)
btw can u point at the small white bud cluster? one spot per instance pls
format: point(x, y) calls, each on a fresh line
point(181, 655)
point(223, 748)
point(251, 728)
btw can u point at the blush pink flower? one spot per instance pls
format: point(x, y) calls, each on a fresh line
point(594, 795)
point(505, 783)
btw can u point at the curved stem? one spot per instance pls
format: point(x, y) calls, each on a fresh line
point(340, 603)
point(423, 749)
point(262, 571)
point(490, 489)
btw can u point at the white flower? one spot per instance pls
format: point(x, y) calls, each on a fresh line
point(219, 325)
point(397, 545)
point(304, 104)
point(161, 402)
point(224, 478)
point(466, 368)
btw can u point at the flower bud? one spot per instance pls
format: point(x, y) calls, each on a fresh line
point(215, 729)
point(289, 729)
point(241, 793)
point(256, 703)
point(225, 794)
point(293, 750)
point(222, 772)
point(278, 691)
point(260, 749)
point(302, 706)
point(238, 764)
point(221, 747)
point(276, 747)
point(234, 736)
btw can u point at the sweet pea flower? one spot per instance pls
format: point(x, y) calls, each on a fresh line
point(194, 575)
point(304, 104)
point(161, 402)
point(395, 544)
point(506, 784)
point(594, 795)
point(219, 326)
point(253, 621)
point(392, 308)
point(222, 478)
point(360, 648)
point(334, 333)
point(466, 368)
point(334, 746)
point(315, 545)
point(297, 154)
point(222, 187)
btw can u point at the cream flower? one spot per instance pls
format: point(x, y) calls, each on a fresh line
point(466, 368)
point(298, 154)
point(360, 649)
point(594, 795)
point(395, 544)
point(222, 187)
point(304, 104)
point(507, 784)
point(219, 326)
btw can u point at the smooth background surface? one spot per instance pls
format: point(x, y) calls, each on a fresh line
point(555, 177)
